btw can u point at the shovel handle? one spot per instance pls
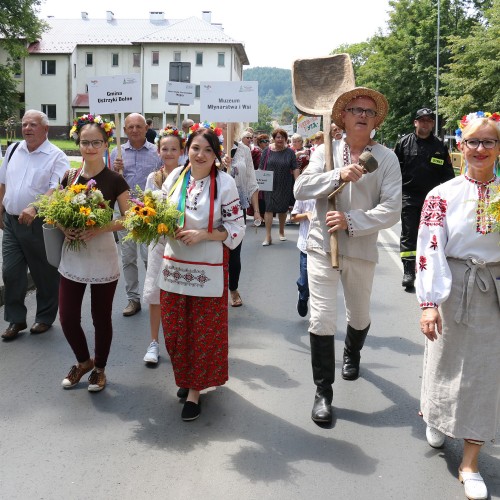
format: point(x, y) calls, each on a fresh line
point(334, 246)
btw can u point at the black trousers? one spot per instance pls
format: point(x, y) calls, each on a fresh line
point(23, 248)
point(235, 262)
point(410, 220)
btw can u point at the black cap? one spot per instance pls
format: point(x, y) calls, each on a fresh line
point(425, 112)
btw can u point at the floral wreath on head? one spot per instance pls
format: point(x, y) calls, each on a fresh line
point(107, 125)
point(170, 131)
point(466, 119)
point(212, 126)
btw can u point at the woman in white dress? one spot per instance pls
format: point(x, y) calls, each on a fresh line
point(170, 148)
point(458, 288)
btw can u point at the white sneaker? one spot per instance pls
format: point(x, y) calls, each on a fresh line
point(152, 353)
point(434, 437)
point(474, 486)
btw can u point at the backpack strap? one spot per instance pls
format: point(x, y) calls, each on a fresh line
point(12, 151)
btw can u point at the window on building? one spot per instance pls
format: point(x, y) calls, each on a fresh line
point(48, 67)
point(180, 72)
point(155, 58)
point(89, 59)
point(49, 110)
point(199, 58)
point(114, 60)
point(177, 56)
point(136, 59)
point(154, 91)
point(221, 59)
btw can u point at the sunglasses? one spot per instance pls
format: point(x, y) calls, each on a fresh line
point(264, 140)
point(247, 138)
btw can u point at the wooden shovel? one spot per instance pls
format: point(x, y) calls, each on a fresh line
point(316, 84)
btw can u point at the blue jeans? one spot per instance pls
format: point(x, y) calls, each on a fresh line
point(302, 282)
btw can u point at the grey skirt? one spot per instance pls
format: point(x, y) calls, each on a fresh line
point(461, 380)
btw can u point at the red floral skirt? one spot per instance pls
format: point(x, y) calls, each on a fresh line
point(196, 336)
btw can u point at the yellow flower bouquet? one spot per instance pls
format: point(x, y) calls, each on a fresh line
point(150, 217)
point(493, 208)
point(79, 206)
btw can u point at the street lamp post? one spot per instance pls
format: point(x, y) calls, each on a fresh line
point(437, 65)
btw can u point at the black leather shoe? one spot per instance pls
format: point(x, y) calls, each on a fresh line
point(39, 328)
point(322, 410)
point(182, 393)
point(191, 411)
point(350, 367)
point(408, 280)
point(13, 330)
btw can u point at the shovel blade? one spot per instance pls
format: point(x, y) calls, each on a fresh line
point(316, 83)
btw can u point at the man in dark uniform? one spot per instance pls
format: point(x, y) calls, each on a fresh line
point(425, 163)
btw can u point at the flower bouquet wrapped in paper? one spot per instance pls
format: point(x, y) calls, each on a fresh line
point(150, 217)
point(79, 206)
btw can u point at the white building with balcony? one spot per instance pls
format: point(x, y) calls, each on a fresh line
point(72, 51)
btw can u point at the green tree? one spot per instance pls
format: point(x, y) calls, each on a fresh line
point(19, 26)
point(265, 119)
point(286, 116)
point(400, 61)
point(472, 82)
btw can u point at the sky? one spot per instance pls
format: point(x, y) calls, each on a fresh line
point(274, 33)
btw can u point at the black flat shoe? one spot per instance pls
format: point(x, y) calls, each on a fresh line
point(182, 393)
point(191, 411)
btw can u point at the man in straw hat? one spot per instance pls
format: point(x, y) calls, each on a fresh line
point(367, 204)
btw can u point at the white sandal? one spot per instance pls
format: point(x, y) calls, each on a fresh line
point(474, 486)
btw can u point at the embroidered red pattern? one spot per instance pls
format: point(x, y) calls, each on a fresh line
point(433, 211)
point(434, 243)
point(422, 263)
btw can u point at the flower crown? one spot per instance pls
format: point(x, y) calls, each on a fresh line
point(466, 119)
point(212, 126)
point(167, 132)
point(107, 125)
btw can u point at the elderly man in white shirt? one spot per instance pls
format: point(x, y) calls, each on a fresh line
point(30, 168)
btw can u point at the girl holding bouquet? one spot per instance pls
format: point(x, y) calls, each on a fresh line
point(95, 261)
point(170, 148)
point(458, 288)
point(194, 274)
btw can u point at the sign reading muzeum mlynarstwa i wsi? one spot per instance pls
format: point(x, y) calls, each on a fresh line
point(115, 94)
point(229, 101)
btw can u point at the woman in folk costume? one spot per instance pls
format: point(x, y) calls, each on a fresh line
point(194, 274)
point(458, 288)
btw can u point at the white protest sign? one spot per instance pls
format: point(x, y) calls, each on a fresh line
point(229, 101)
point(307, 126)
point(180, 93)
point(288, 129)
point(115, 94)
point(264, 179)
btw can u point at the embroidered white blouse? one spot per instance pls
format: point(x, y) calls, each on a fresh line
point(227, 207)
point(452, 225)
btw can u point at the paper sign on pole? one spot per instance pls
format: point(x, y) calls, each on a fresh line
point(288, 129)
point(229, 101)
point(180, 93)
point(115, 94)
point(264, 179)
point(307, 126)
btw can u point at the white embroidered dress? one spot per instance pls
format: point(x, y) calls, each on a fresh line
point(458, 269)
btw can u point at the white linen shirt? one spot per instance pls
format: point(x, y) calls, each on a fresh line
point(28, 175)
point(243, 173)
point(371, 204)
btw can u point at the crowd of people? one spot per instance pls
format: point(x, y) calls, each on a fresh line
point(449, 249)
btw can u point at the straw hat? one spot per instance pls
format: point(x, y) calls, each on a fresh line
point(344, 99)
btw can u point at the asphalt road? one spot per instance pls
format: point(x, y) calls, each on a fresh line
point(254, 438)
